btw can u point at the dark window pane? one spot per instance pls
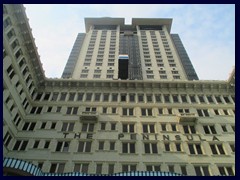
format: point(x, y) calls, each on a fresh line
point(132, 147)
point(199, 149)
point(198, 171)
point(191, 149)
point(213, 148)
point(154, 148)
point(124, 147)
point(80, 146)
point(220, 148)
point(147, 147)
point(88, 146)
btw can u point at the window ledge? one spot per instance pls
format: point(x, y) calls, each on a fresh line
point(151, 154)
point(220, 155)
point(198, 155)
point(90, 153)
point(127, 116)
point(180, 152)
point(147, 116)
point(105, 150)
point(61, 152)
point(129, 154)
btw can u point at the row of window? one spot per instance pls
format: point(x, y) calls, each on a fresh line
point(126, 147)
point(133, 111)
point(130, 127)
point(200, 170)
point(108, 76)
point(18, 52)
point(125, 97)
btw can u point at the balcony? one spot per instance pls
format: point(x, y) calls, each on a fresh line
point(187, 117)
point(89, 116)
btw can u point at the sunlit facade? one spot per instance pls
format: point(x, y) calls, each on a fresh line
point(129, 103)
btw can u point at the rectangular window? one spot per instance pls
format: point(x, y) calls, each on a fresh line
point(123, 97)
point(192, 98)
point(132, 98)
point(57, 168)
point(128, 147)
point(195, 149)
point(166, 98)
point(106, 97)
point(140, 98)
point(71, 96)
point(164, 127)
point(210, 99)
point(103, 126)
point(97, 97)
point(189, 129)
point(99, 169)
point(63, 96)
point(202, 112)
point(127, 112)
point(114, 97)
point(153, 167)
point(174, 127)
point(226, 170)
point(113, 126)
point(167, 147)
point(128, 128)
point(101, 145)
point(158, 98)
point(202, 170)
point(110, 168)
point(184, 170)
point(209, 129)
point(201, 99)
point(87, 127)
point(148, 128)
point(84, 146)
point(150, 148)
point(46, 145)
point(62, 146)
point(146, 112)
point(53, 126)
point(7, 138)
point(217, 149)
point(81, 167)
point(218, 99)
point(127, 168)
point(175, 98)
point(149, 98)
point(112, 146)
point(89, 97)
point(68, 126)
point(36, 143)
point(104, 110)
point(20, 145)
point(29, 126)
point(226, 99)
point(178, 147)
point(80, 96)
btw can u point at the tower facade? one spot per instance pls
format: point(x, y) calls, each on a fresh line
point(152, 53)
point(88, 124)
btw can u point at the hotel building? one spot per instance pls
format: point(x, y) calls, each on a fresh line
point(129, 103)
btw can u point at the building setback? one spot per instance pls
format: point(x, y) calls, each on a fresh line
point(126, 105)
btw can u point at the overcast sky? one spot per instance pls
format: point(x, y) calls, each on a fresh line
point(207, 31)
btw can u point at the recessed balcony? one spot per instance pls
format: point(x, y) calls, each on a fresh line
point(187, 117)
point(89, 116)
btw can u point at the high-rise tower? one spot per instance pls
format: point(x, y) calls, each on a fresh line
point(118, 110)
point(150, 52)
